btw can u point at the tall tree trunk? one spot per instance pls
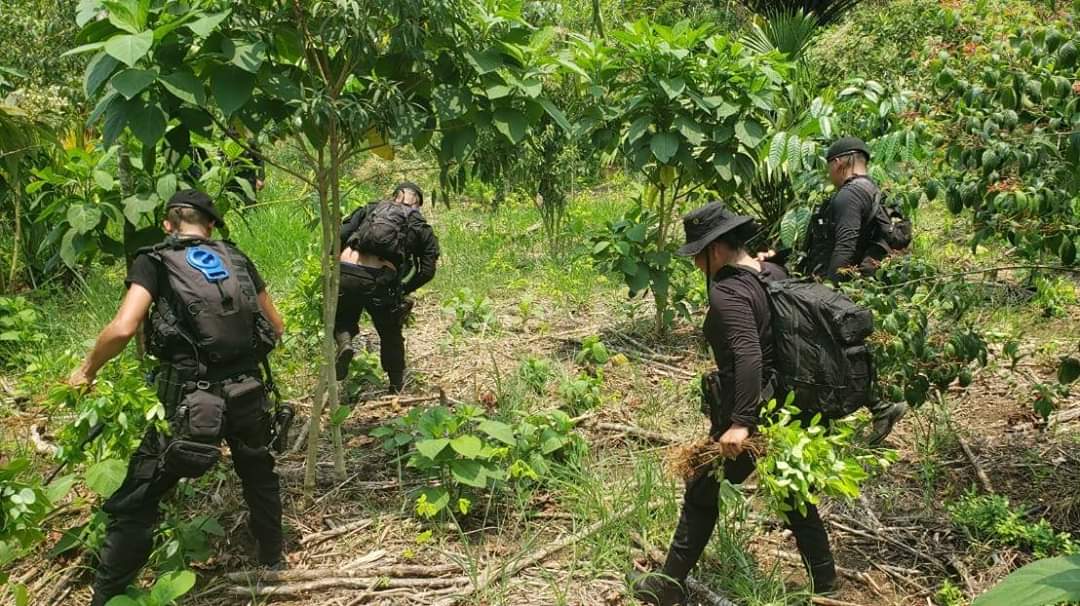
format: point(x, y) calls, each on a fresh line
point(326, 376)
point(330, 297)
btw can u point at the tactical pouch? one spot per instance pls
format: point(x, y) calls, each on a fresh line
point(187, 459)
point(710, 396)
point(201, 417)
point(244, 403)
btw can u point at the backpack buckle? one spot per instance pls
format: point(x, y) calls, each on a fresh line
point(203, 385)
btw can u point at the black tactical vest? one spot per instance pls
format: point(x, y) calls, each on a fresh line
point(210, 312)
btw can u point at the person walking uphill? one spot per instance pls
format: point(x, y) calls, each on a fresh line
point(388, 250)
point(738, 330)
point(210, 323)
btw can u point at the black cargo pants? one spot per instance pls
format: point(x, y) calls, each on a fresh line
point(375, 290)
point(701, 510)
point(133, 508)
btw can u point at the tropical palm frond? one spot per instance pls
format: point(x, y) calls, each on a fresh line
point(826, 11)
point(790, 33)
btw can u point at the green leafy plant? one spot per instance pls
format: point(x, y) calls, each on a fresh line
point(582, 393)
point(535, 374)
point(801, 463)
point(991, 518)
point(24, 503)
point(168, 588)
point(471, 312)
point(183, 541)
point(592, 352)
point(950, 595)
point(20, 325)
point(1041, 583)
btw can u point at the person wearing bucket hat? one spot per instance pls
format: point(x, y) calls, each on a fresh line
point(388, 250)
point(209, 323)
point(739, 332)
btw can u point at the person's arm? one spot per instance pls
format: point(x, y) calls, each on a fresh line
point(426, 252)
point(741, 335)
point(115, 336)
point(266, 304)
point(846, 218)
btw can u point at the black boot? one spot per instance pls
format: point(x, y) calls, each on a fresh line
point(822, 577)
point(654, 588)
point(397, 381)
point(345, 354)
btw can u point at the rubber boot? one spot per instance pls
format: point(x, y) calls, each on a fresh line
point(656, 589)
point(823, 577)
point(345, 354)
point(885, 419)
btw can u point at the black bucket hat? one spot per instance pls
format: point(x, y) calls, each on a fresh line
point(193, 198)
point(706, 224)
point(412, 186)
point(847, 145)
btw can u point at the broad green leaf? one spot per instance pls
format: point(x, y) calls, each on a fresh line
point(551, 441)
point(232, 88)
point(138, 205)
point(690, 129)
point(85, 48)
point(673, 87)
point(68, 253)
point(532, 88)
point(97, 73)
point(511, 123)
point(468, 446)
point(122, 600)
point(749, 132)
point(1044, 582)
point(104, 477)
point(83, 218)
point(484, 62)
point(556, 114)
point(437, 498)
point(206, 26)
point(116, 118)
point(171, 586)
point(637, 233)
point(664, 146)
point(128, 15)
point(469, 473)
point(184, 86)
point(638, 128)
point(722, 162)
point(500, 431)
point(166, 186)
point(147, 123)
point(776, 150)
point(793, 225)
point(129, 48)
point(22, 597)
point(249, 56)
point(432, 448)
point(450, 102)
point(130, 82)
point(59, 488)
point(339, 415)
point(1069, 370)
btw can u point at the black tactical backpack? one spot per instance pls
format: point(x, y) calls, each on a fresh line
point(820, 343)
point(212, 311)
point(892, 227)
point(383, 231)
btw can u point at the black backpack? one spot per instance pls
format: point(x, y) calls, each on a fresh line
point(213, 309)
point(383, 231)
point(893, 229)
point(820, 344)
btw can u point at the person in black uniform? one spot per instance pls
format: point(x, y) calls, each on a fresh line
point(197, 370)
point(378, 279)
point(738, 330)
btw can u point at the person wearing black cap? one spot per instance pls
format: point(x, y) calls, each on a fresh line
point(842, 238)
point(738, 330)
point(388, 250)
point(210, 323)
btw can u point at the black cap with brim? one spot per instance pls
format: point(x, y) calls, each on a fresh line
point(193, 198)
point(414, 187)
point(847, 145)
point(706, 224)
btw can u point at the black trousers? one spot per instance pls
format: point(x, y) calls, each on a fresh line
point(701, 510)
point(374, 290)
point(134, 508)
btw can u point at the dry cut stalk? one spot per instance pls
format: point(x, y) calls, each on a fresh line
point(984, 479)
point(361, 583)
point(314, 574)
point(319, 537)
point(688, 460)
point(637, 432)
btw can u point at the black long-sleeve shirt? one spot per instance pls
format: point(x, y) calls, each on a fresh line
point(421, 247)
point(841, 231)
point(739, 331)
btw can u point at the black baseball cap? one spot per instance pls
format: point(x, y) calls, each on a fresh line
point(847, 145)
point(193, 198)
point(412, 186)
point(706, 224)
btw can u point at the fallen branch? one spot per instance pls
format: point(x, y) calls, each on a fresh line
point(823, 601)
point(962, 570)
point(693, 584)
point(979, 472)
point(361, 583)
point(319, 537)
point(876, 536)
point(314, 574)
point(441, 396)
point(637, 432)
